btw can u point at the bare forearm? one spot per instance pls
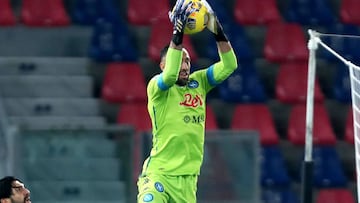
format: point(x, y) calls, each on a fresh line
point(223, 46)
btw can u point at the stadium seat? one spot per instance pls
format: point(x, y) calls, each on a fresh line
point(273, 169)
point(124, 83)
point(160, 36)
point(285, 42)
point(345, 46)
point(144, 12)
point(349, 127)
point(291, 84)
point(135, 114)
point(310, 12)
point(87, 12)
point(40, 13)
point(210, 123)
point(249, 12)
point(328, 171)
point(283, 195)
point(334, 195)
point(7, 17)
point(323, 134)
point(349, 12)
point(243, 86)
point(341, 85)
point(239, 42)
point(258, 117)
point(112, 41)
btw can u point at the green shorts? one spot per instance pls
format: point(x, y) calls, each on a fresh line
point(167, 189)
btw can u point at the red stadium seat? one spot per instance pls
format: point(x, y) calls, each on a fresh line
point(335, 195)
point(144, 12)
point(350, 12)
point(285, 42)
point(7, 17)
point(135, 114)
point(123, 83)
point(291, 84)
point(210, 123)
point(250, 12)
point(160, 36)
point(323, 134)
point(256, 117)
point(349, 127)
point(44, 13)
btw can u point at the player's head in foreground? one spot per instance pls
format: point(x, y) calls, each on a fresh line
point(185, 65)
point(12, 190)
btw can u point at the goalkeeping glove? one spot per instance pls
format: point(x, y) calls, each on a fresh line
point(214, 24)
point(178, 18)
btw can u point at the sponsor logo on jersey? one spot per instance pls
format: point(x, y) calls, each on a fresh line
point(159, 187)
point(192, 100)
point(194, 119)
point(193, 84)
point(148, 197)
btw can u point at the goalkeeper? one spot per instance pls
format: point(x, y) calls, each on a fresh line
point(176, 104)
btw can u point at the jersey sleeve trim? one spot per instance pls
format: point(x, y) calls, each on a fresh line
point(161, 84)
point(210, 75)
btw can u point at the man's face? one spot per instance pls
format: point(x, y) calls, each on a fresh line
point(20, 194)
point(184, 69)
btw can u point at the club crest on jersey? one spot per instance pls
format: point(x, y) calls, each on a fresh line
point(159, 187)
point(193, 84)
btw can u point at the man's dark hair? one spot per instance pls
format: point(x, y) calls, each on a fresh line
point(5, 186)
point(164, 51)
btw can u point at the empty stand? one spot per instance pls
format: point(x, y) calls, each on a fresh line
point(328, 170)
point(255, 117)
point(323, 133)
point(210, 123)
point(284, 195)
point(135, 114)
point(243, 86)
point(87, 12)
point(349, 127)
point(349, 12)
point(334, 195)
point(160, 36)
point(346, 47)
point(341, 84)
point(124, 82)
point(144, 12)
point(7, 16)
point(309, 12)
point(111, 41)
point(273, 171)
point(285, 42)
point(44, 13)
point(249, 12)
point(291, 84)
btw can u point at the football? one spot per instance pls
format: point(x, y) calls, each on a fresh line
point(198, 20)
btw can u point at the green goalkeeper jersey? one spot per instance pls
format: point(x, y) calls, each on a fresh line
point(178, 115)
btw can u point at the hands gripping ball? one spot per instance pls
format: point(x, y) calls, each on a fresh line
point(198, 19)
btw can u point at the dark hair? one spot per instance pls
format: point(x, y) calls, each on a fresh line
point(5, 186)
point(163, 51)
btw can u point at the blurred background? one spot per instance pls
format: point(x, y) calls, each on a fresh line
point(73, 116)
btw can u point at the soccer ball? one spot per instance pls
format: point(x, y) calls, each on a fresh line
point(198, 20)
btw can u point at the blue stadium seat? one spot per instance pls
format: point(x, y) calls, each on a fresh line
point(328, 171)
point(111, 41)
point(273, 170)
point(279, 196)
point(310, 12)
point(346, 47)
point(87, 12)
point(243, 86)
point(341, 85)
point(234, 31)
